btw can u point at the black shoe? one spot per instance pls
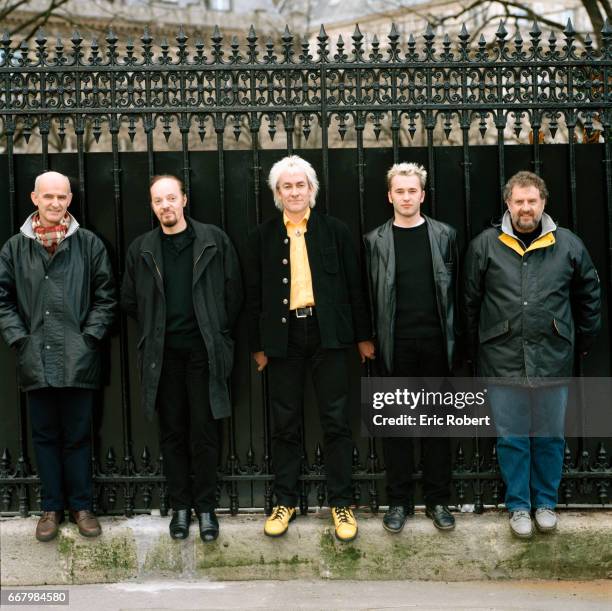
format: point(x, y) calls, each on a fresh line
point(209, 526)
point(395, 518)
point(442, 518)
point(179, 524)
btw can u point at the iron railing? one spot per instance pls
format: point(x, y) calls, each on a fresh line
point(285, 95)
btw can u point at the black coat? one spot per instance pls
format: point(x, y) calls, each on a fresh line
point(380, 263)
point(55, 309)
point(217, 298)
point(524, 311)
point(342, 312)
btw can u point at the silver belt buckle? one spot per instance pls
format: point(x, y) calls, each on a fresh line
point(307, 312)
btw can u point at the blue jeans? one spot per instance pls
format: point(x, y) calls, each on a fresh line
point(530, 424)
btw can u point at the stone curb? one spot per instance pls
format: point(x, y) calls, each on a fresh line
point(481, 547)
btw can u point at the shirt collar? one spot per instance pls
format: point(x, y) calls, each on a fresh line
point(302, 223)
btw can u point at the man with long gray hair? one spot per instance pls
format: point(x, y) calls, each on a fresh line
point(305, 304)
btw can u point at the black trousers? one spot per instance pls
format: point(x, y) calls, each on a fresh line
point(330, 379)
point(418, 358)
point(61, 436)
point(189, 435)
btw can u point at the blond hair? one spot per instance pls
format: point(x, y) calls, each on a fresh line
point(407, 169)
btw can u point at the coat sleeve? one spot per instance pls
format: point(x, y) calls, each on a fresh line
point(473, 287)
point(253, 290)
point(359, 307)
point(586, 299)
point(128, 287)
point(12, 326)
point(103, 310)
point(234, 295)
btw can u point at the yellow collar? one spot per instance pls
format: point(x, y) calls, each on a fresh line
point(543, 241)
point(302, 224)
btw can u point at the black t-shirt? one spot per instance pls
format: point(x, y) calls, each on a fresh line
point(529, 237)
point(416, 305)
point(182, 331)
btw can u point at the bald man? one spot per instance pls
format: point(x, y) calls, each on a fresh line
point(57, 302)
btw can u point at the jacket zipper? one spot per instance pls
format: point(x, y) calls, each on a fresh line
point(154, 263)
point(199, 257)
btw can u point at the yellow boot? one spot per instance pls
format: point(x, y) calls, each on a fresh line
point(345, 523)
point(278, 523)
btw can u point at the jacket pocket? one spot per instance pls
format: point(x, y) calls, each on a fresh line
point(562, 329)
point(330, 259)
point(496, 330)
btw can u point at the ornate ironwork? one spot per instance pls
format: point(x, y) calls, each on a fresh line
point(299, 91)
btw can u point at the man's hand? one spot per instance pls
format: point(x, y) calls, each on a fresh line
point(261, 359)
point(366, 350)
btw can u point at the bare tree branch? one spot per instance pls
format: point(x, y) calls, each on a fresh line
point(529, 16)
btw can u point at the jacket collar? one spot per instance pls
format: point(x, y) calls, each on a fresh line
point(510, 239)
point(28, 232)
point(204, 247)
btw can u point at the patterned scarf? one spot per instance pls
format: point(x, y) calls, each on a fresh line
point(50, 237)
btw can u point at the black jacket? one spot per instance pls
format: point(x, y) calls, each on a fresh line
point(217, 298)
point(55, 309)
point(380, 263)
point(342, 312)
point(524, 308)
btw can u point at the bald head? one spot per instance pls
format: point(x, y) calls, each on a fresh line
point(53, 178)
point(52, 196)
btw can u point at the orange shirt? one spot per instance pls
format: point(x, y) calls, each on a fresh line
point(301, 279)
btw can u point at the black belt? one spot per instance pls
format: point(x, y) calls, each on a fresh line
point(304, 312)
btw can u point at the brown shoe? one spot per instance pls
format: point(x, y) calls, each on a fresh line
point(87, 522)
point(48, 525)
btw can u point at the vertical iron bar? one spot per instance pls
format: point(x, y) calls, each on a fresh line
point(79, 129)
point(185, 123)
point(324, 135)
point(571, 124)
point(22, 469)
point(149, 124)
point(535, 122)
point(128, 463)
point(500, 124)
point(431, 161)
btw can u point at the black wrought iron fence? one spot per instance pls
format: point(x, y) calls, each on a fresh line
point(179, 106)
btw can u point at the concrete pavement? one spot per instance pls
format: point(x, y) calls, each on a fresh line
point(340, 595)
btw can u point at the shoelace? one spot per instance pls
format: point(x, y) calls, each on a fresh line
point(343, 514)
point(280, 512)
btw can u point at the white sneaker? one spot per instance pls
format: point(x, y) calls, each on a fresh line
point(545, 519)
point(520, 524)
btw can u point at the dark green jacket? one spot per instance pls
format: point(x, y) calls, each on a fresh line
point(217, 298)
point(55, 309)
point(524, 308)
point(342, 312)
point(380, 264)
